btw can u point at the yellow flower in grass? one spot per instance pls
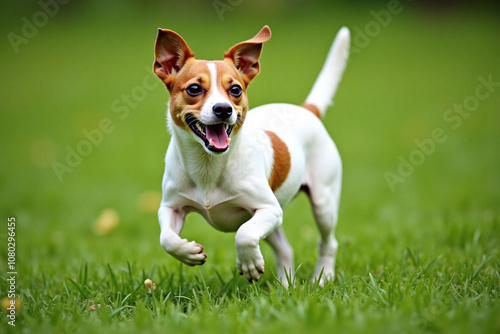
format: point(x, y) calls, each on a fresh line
point(11, 304)
point(106, 222)
point(149, 201)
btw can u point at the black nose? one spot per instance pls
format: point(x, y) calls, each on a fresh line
point(222, 110)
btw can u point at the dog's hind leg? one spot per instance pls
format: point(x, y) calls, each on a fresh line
point(323, 188)
point(284, 255)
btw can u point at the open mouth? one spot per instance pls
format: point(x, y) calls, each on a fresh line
point(215, 136)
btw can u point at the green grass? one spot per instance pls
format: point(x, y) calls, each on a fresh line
point(421, 259)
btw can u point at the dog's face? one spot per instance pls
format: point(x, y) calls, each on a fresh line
point(208, 98)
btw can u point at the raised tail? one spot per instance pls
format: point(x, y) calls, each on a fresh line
point(326, 84)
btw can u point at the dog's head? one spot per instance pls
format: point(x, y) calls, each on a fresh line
point(208, 98)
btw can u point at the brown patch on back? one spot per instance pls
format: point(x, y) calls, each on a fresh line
point(281, 164)
point(312, 108)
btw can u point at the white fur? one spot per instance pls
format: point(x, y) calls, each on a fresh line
point(328, 80)
point(231, 191)
point(207, 115)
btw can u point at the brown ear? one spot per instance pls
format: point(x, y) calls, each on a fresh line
point(245, 55)
point(171, 53)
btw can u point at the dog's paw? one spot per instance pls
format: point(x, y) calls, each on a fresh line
point(324, 274)
point(188, 252)
point(249, 261)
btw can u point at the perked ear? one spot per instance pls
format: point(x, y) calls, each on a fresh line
point(245, 55)
point(171, 53)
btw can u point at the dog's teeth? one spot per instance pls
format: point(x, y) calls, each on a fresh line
point(211, 142)
point(228, 140)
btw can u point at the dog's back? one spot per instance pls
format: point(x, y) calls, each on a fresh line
point(299, 128)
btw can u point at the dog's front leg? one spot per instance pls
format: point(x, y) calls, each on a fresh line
point(171, 224)
point(249, 258)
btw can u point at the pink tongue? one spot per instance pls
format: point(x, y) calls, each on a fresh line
point(218, 134)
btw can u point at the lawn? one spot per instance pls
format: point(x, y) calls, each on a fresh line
point(83, 137)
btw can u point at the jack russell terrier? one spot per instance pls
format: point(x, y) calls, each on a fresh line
point(240, 168)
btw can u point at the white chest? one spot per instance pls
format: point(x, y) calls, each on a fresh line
point(221, 210)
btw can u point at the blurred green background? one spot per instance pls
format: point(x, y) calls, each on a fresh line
point(411, 62)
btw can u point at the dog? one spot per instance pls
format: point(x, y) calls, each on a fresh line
point(240, 168)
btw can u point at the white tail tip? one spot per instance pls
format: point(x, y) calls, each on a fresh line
point(328, 80)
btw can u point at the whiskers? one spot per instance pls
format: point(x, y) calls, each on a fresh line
point(239, 122)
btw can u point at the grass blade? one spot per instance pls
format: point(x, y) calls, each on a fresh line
point(478, 270)
point(119, 309)
point(85, 273)
point(130, 276)
point(113, 278)
point(78, 288)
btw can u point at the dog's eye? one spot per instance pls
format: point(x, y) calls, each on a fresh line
point(235, 90)
point(194, 90)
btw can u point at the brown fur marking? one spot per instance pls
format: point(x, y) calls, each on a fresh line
point(196, 71)
point(282, 162)
point(181, 103)
point(312, 108)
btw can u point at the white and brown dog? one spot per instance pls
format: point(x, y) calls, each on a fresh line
point(240, 168)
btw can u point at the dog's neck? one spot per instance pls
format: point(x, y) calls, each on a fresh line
point(204, 169)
